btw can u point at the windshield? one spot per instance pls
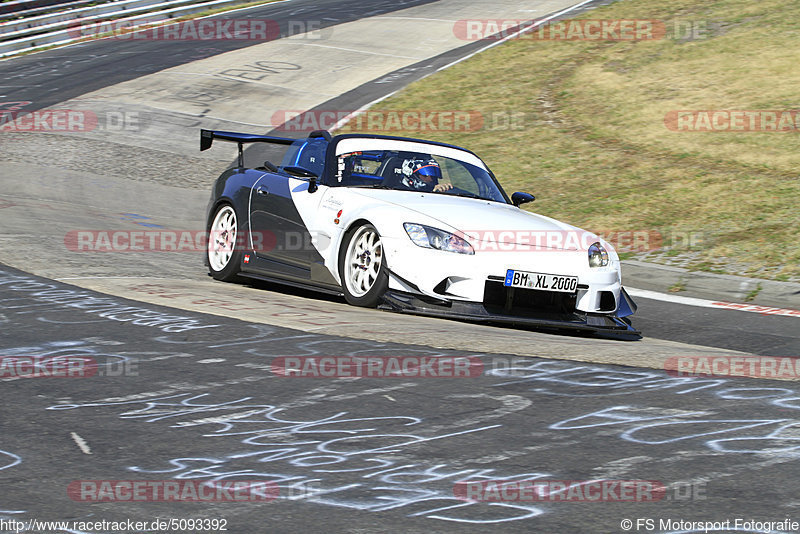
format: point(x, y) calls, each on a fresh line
point(413, 166)
point(306, 153)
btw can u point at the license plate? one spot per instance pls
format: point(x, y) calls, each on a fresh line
point(541, 281)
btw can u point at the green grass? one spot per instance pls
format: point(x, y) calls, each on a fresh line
point(593, 146)
point(678, 286)
point(753, 293)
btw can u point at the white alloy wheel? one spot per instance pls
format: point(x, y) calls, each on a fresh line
point(364, 258)
point(222, 238)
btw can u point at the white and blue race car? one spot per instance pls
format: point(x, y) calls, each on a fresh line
point(408, 225)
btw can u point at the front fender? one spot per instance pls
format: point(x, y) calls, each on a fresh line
point(386, 218)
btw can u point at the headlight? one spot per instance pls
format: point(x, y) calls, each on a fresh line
point(428, 237)
point(598, 256)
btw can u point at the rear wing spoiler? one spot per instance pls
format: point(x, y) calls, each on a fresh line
point(207, 138)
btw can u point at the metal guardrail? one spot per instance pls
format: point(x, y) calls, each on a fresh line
point(73, 17)
point(84, 16)
point(35, 11)
point(66, 32)
point(23, 5)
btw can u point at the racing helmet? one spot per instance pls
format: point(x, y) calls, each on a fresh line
point(421, 174)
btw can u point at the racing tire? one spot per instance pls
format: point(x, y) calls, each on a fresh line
point(223, 254)
point(362, 266)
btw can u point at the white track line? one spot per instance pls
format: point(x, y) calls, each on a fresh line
point(82, 445)
point(537, 23)
point(717, 304)
point(362, 109)
point(359, 111)
point(115, 278)
point(355, 51)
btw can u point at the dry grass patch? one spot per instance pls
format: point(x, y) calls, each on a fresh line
point(594, 147)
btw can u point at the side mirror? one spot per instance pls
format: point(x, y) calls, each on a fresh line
point(268, 166)
point(302, 172)
point(521, 198)
point(299, 172)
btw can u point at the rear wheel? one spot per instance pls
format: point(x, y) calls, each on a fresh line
point(362, 267)
point(224, 256)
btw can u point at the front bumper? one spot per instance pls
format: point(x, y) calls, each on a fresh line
point(400, 301)
point(459, 279)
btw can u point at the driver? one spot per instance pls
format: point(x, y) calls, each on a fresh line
point(423, 175)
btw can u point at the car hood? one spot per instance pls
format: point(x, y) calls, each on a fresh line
point(485, 221)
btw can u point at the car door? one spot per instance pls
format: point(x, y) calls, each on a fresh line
point(277, 226)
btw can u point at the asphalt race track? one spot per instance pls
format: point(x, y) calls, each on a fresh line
point(197, 397)
point(188, 386)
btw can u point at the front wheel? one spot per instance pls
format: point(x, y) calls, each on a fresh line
point(224, 256)
point(362, 267)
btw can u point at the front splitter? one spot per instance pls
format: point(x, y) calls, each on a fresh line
point(403, 302)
